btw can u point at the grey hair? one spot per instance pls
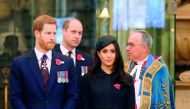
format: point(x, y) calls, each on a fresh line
point(146, 38)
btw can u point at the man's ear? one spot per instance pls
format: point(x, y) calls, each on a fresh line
point(64, 30)
point(146, 48)
point(36, 34)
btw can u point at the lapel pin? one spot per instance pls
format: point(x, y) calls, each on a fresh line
point(59, 62)
point(80, 57)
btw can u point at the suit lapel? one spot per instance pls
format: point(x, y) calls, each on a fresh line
point(33, 63)
point(53, 73)
point(78, 63)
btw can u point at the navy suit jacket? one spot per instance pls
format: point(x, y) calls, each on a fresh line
point(79, 63)
point(26, 86)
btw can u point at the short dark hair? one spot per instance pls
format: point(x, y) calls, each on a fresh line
point(67, 22)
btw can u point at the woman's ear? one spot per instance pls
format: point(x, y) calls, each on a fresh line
point(98, 53)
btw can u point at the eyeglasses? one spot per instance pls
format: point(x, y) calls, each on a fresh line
point(132, 45)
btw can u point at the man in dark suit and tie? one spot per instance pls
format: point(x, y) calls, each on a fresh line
point(42, 78)
point(72, 34)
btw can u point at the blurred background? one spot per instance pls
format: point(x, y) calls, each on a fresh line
point(168, 21)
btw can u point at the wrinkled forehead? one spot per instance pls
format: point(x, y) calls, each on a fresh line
point(76, 25)
point(135, 38)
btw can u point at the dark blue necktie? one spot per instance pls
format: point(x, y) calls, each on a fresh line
point(69, 53)
point(44, 71)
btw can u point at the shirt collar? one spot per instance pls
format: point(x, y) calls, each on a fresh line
point(40, 54)
point(142, 62)
point(65, 51)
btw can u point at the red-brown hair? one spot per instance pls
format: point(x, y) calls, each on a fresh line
point(39, 22)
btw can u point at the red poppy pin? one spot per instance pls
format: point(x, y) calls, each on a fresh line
point(80, 57)
point(59, 62)
point(117, 86)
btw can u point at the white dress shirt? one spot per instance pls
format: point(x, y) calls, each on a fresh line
point(39, 56)
point(65, 52)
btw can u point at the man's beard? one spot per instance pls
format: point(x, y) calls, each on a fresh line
point(50, 45)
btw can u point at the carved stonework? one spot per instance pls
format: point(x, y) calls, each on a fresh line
point(183, 34)
point(185, 76)
point(182, 2)
point(183, 40)
point(182, 49)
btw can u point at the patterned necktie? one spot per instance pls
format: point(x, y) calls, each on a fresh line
point(69, 53)
point(44, 71)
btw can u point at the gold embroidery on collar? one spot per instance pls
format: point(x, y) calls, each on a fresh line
point(147, 84)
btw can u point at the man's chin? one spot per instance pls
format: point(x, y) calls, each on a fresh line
point(51, 47)
point(131, 58)
point(75, 45)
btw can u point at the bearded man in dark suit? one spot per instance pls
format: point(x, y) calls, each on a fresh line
point(42, 78)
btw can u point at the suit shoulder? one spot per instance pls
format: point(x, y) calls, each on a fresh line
point(23, 56)
point(58, 55)
point(85, 55)
point(57, 48)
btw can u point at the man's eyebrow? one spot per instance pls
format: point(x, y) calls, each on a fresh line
point(130, 43)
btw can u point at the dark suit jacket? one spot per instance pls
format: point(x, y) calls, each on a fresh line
point(79, 63)
point(26, 90)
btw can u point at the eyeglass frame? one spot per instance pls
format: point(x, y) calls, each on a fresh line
point(132, 45)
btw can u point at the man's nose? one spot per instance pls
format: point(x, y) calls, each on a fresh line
point(77, 35)
point(52, 36)
point(127, 48)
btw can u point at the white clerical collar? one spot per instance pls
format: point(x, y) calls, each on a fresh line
point(142, 62)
